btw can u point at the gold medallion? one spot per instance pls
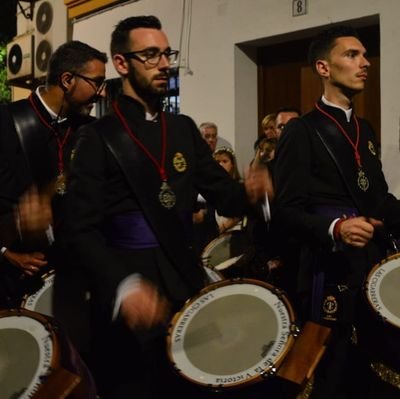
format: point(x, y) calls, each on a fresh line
point(362, 180)
point(371, 147)
point(166, 196)
point(61, 186)
point(179, 162)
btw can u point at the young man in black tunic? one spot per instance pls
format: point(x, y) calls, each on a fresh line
point(331, 195)
point(37, 136)
point(134, 181)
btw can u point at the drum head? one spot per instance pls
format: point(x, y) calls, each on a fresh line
point(224, 250)
point(382, 289)
point(42, 300)
point(233, 333)
point(27, 348)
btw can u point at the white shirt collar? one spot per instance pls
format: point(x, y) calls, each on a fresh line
point(53, 115)
point(348, 112)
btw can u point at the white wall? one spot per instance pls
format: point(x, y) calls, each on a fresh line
point(223, 87)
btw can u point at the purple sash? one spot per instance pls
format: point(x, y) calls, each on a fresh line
point(130, 231)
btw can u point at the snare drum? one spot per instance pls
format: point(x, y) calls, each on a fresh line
point(28, 351)
point(223, 252)
point(383, 290)
point(379, 331)
point(37, 359)
point(41, 301)
point(233, 333)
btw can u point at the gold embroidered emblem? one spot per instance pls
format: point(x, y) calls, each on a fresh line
point(179, 162)
point(330, 307)
point(362, 180)
point(371, 147)
point(72, 154)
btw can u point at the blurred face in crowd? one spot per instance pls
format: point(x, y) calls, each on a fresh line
point(282, 119)
point(225, 161)
point(269, 130)
point(210, 134)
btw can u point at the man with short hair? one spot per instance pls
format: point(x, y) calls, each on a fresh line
point(37, 136)
point(209, 132)
point(333, 198)
point(134, 180)
point(283, 116)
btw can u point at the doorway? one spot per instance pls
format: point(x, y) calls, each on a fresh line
point(285, 78)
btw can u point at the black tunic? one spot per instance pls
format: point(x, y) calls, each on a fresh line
point(20, 168)
point(316, 182)
point(106, 183)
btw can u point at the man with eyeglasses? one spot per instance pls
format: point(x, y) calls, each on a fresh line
point(37, 136)
point(133, 186)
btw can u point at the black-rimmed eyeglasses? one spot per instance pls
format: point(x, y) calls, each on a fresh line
point(152, 56)
point(98, 84)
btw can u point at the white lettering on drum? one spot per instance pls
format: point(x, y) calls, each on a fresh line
point(278, 347)
point(47, 349)
point(229, 380)
point(373, 291)
point(187, 315)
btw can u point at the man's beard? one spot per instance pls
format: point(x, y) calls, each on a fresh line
point(143, 88)
point(81, 109)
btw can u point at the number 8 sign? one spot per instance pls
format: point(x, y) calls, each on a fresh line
point(299, 7)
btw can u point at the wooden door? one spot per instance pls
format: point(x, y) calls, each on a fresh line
point(287, 80)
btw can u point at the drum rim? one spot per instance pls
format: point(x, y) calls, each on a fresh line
point(370, 300)
point(52, 336)
point(212, 244)
point(282, 296)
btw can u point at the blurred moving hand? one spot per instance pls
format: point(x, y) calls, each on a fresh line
point(144, 307)
point(33, 213)
point(258, 182)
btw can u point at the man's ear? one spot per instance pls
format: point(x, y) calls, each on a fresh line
point(65, 81)
point(322, 68)
point(120, 64)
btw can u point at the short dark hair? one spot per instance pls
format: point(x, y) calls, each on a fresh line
point(71, 57)
point(120, 37)
point(287, 109)
point(323, 43)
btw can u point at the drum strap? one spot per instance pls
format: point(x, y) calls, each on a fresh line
point(27, 126)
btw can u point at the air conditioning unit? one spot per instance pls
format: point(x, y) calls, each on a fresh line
point(20, 58)
point(50, 31)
